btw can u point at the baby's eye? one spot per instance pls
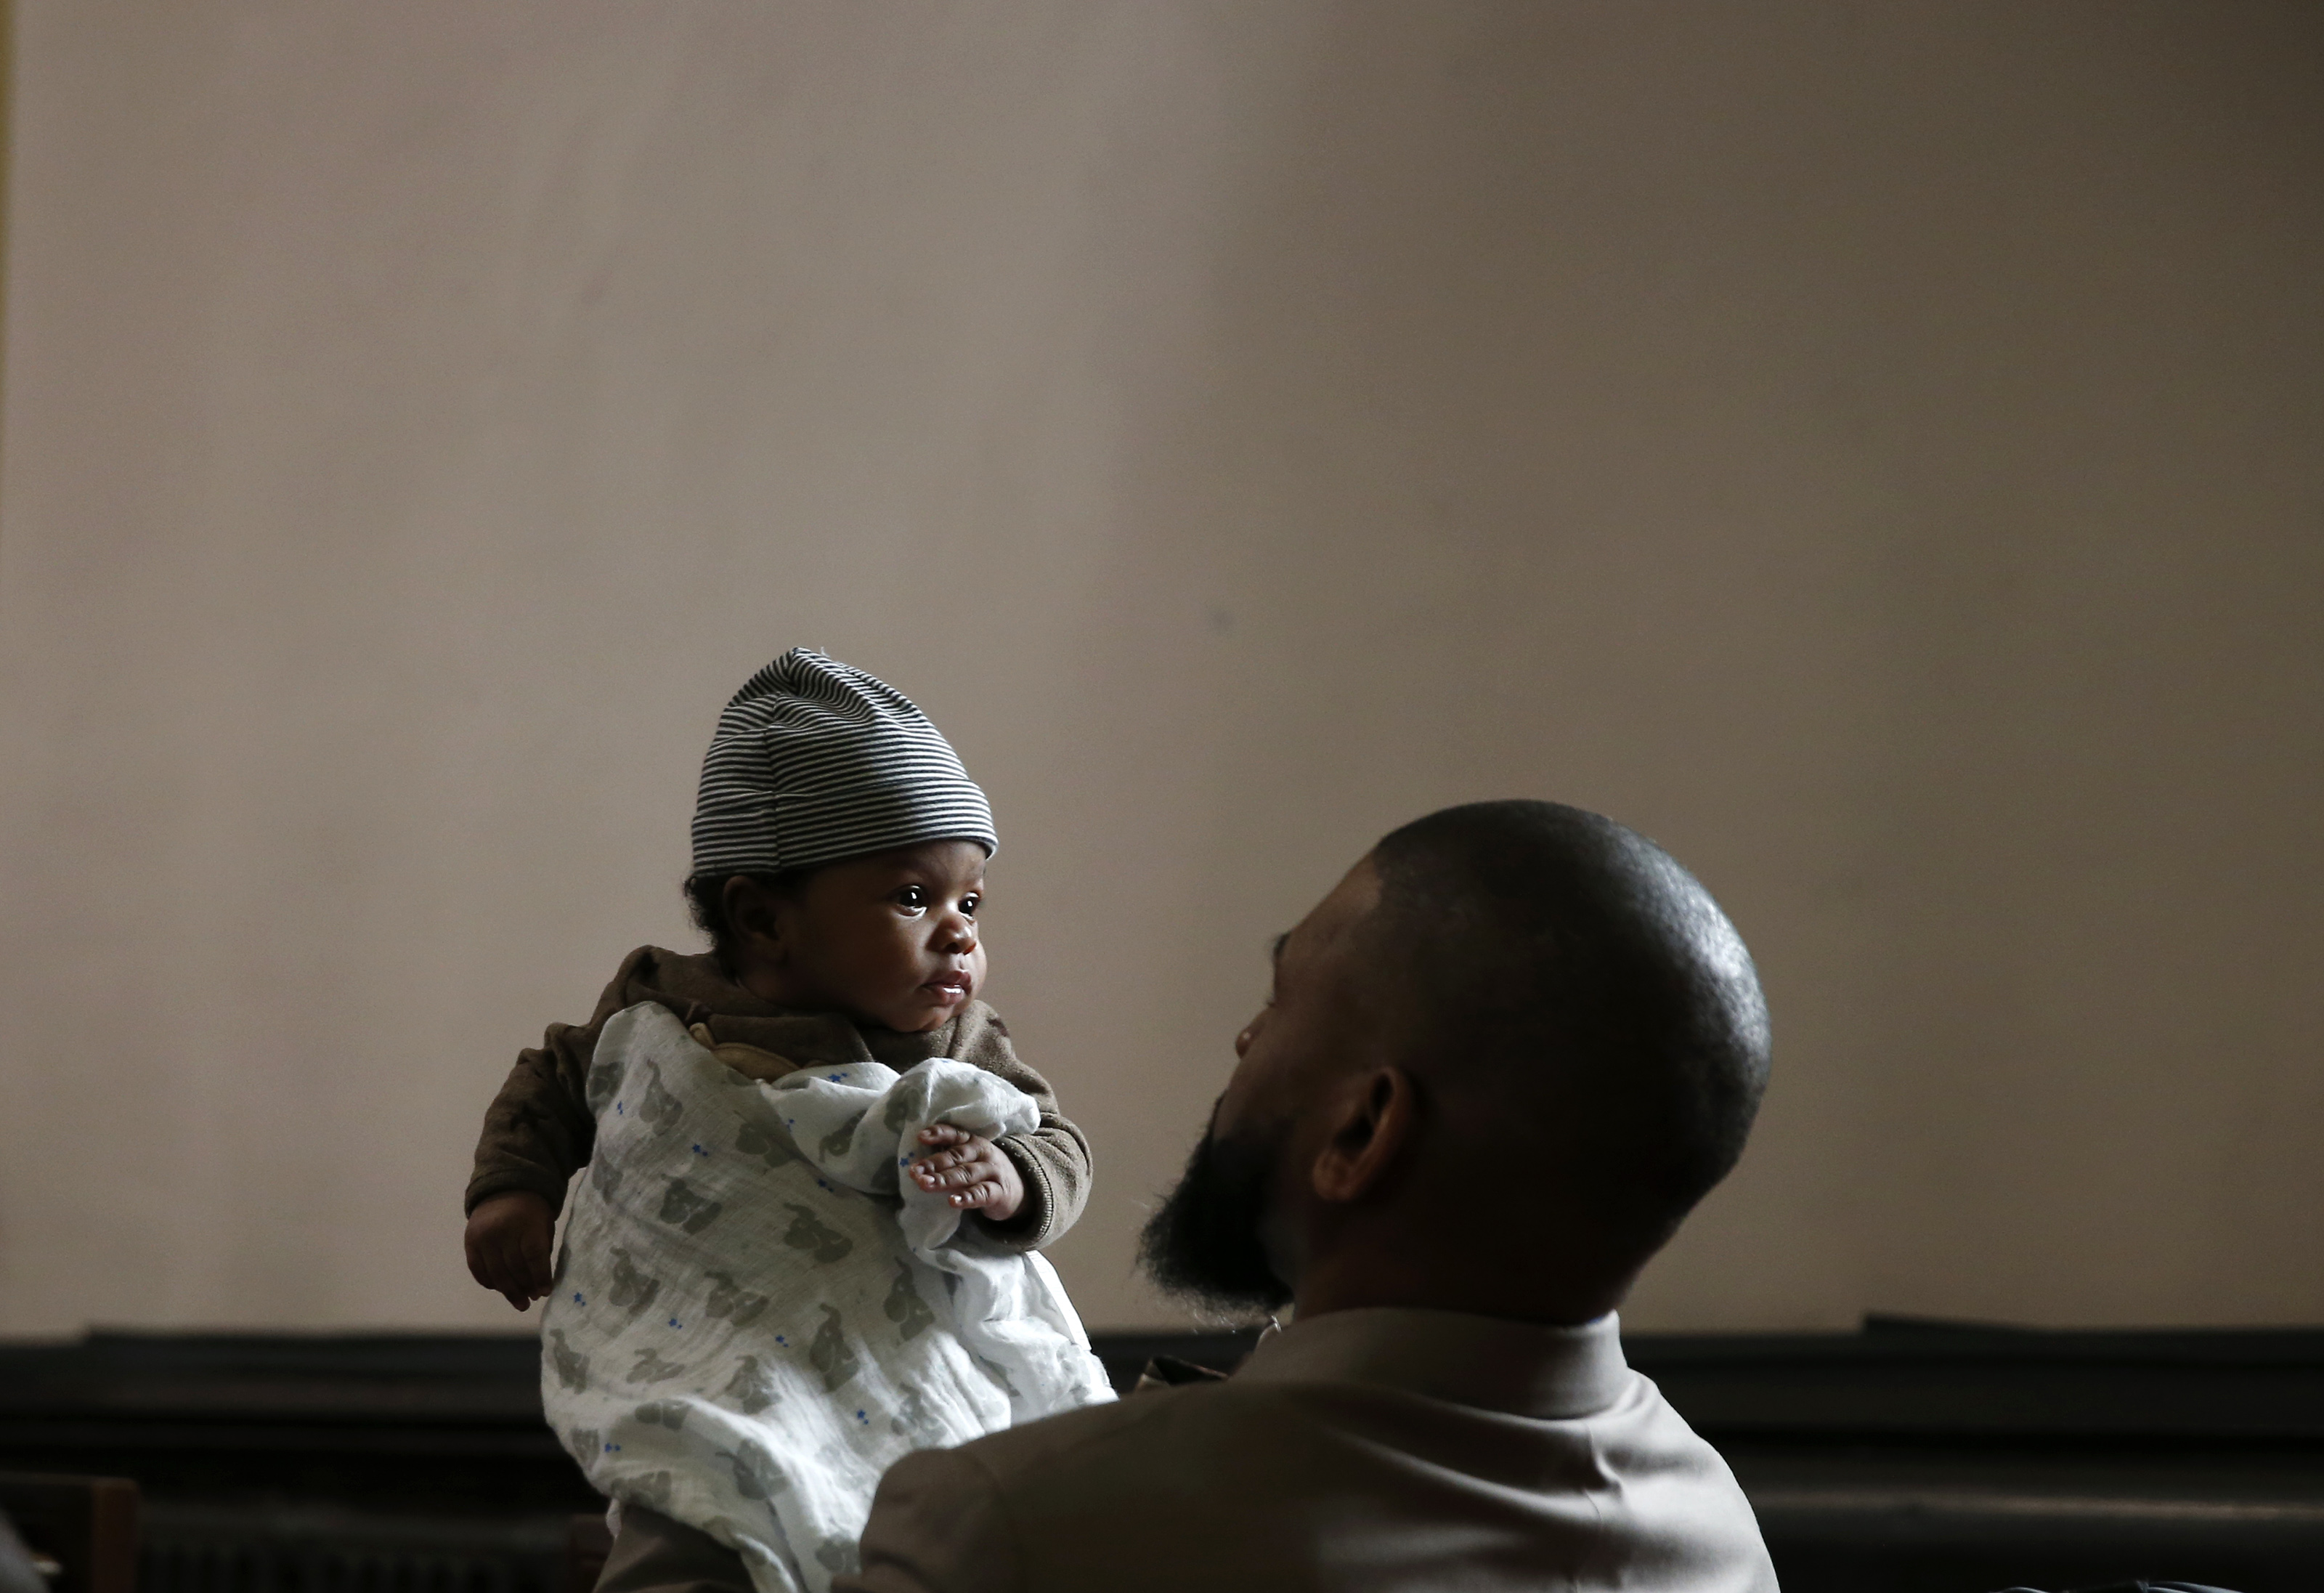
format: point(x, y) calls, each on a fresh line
point(912, 896)
point(969, 904)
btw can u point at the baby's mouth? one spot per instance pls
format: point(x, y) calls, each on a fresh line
point(951, 986)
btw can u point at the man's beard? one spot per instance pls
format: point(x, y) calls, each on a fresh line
point(1203, 1243)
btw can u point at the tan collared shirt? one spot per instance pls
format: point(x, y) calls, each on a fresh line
point(1361, 1451)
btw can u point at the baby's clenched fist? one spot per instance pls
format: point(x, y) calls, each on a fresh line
point(508, 1238)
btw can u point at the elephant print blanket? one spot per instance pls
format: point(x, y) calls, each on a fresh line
point(755, 1315)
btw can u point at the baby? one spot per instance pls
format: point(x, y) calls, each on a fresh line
point(819, 1175)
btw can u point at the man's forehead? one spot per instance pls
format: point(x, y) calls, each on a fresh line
point(1330, 923)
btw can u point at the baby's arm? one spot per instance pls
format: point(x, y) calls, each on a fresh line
point(1052, 1162)
point(538, 1133)
point(534, 1138)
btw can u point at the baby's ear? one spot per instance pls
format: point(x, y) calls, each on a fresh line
point(752, 916)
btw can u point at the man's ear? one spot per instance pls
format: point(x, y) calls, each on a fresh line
point(1378, 1123)
point(752, 917)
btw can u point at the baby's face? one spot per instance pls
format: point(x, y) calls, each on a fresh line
point(889, 938)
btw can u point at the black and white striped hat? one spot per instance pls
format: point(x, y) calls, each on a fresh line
point(814, 761)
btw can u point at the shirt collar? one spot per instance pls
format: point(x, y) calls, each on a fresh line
point(1495, 1362)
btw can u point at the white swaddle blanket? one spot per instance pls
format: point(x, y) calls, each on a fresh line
point(755, 1314)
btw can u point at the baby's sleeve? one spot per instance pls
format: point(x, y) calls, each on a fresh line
point(539, 1131)
point(1054, 1159)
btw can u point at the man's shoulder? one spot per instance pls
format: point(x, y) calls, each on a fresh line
point(1090, 1435)
point(1230, 1483)
point(1080, 1454)
point(1220, 1445)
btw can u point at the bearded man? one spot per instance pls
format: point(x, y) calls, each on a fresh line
point(1500, 1062)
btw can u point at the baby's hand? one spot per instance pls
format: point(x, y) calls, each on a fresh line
point(978, 1176)
point(509, 1236)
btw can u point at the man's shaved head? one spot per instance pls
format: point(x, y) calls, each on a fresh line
point(1566, 975)
point(1502, 1060)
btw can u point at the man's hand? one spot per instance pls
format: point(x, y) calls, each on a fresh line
point(509, 1237)
point(970, 1172)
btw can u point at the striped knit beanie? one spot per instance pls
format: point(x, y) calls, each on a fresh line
point(814, 761)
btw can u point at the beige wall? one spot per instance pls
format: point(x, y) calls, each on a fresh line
point(1878, 450)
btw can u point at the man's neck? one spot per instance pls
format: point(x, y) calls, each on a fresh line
point(1487, 1289)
